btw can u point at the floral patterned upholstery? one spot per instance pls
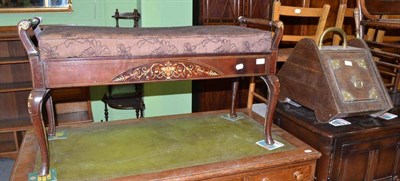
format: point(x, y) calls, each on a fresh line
point(57, 42)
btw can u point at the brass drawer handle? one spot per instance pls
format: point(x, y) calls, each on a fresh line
point(298, 176)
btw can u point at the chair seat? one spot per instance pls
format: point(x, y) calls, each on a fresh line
point(58, 42)
point(125, 103)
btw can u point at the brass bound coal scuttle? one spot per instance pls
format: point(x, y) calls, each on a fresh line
point(334, 81)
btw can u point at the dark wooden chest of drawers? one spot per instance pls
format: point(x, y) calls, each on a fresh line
point(368, 149)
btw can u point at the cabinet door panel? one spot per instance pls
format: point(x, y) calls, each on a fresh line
point(258, 9)
point(369, 160)
point(221, 11)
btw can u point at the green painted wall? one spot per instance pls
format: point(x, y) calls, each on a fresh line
point(167, 97)
point(160, 98)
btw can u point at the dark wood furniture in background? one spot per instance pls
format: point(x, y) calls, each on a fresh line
point(129, 100)
point(222, 12)
point(210, 95)
point(72, 105)
point(368, 149)
point(373, 14)
point(295, 161)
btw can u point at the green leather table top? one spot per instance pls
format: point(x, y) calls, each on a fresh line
point(102, 151)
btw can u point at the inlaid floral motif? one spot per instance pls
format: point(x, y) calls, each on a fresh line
point(167, 71)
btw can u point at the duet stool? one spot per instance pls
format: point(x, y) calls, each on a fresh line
point(76, 56)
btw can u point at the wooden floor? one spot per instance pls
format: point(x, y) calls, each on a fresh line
point(191, 146)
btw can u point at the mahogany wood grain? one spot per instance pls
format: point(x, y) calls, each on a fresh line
point(47, 75)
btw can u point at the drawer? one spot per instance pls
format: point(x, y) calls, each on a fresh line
point(303, 172)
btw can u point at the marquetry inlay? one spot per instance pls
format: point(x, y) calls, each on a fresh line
point(167, 71)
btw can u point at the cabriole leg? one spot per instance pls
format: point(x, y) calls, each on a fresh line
point(35, 103)
point(273, 86)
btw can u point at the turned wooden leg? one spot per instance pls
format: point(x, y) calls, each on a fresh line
point(273, 85)
point(35, 103)
point(137, 113)
point(235, 87)
point(50, 116)
point(105, 112)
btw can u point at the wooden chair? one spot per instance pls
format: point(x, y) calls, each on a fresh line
point(303, 12)
point(125, 97)
point(343, 13)
point(283, 54)
point(372, 20)
point(135, 16)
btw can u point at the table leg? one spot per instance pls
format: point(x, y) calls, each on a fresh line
point(35, 103)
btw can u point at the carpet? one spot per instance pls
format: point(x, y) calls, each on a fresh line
point(6, 165)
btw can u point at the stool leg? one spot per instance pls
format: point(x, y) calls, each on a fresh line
point(35, 103)
point(235, 87)
point(272, 83)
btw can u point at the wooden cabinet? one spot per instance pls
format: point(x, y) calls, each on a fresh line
point(15, 86)
point(368, 149)
point(217, 12)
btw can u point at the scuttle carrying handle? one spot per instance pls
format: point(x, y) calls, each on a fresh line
point(340, 31)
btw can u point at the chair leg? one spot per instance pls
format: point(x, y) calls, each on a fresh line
point(105, 112)
point(142, 107)
point(137, 113)
point(250, 98)
point(396, 81)
point(35, 103)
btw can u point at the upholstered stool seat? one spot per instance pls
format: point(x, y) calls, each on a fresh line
point(58, 42)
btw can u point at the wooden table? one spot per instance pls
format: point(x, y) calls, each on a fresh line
point(196, 146)
point(368, 149)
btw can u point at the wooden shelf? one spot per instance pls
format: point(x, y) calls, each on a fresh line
point(16, 86)
point(10, 143)
point(13, 60)
point(13, 154)
point(73, 118)
point(11, 125)
point(7, 146)
point(9, 33)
